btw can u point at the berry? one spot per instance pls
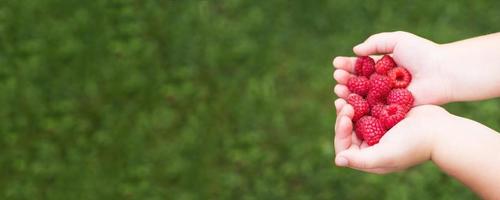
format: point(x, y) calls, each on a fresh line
point(378, 97)
point(364, 66)
point(402, 97)
point(391, 115)
point(373, 98)
point(385, 64)
point(361, 107)
point(358, 133)
point(359, 85)
point(376, 110)
point(400, 77)
point(370, 129)
point(380, 84)
point(380, 87)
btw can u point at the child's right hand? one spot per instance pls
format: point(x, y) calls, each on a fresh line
point(427, 133)
point(408, 143)
point(420, 56)
point(460, 71)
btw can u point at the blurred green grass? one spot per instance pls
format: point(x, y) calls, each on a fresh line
point(128, 99)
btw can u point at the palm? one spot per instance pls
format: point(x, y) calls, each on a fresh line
point(408, 143)
point(421, 58)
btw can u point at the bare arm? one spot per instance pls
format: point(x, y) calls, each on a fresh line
point(474, 66)
point(474, 159)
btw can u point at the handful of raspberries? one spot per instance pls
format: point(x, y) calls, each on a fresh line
point(379, 97)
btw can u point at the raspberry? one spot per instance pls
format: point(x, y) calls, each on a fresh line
point(385, 64)
point(400, 77)
point(391, 115)
point(365, 66)
point(380, 99)
point(370, 129)
point(359, 85)
point(380, 84)
point(402, 97)
point(376, 110)
point(361, 107)
point(380, 87)
point(359, 136)
point(373, 98)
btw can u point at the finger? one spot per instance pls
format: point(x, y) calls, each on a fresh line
point(342, 76)
point(364, 145)
point(341, 91)
point(377, 156)
point(379, 170)
point(343, 134)
point(376, 170)
point(356, 141)
point(343, 128)
point(339, 104)
point(344, 63)
point(342, 161)
point(380, 43)
point(376, 58)
point(347, 111)
point(347, 63)
point(415, 90)
point(420, 93)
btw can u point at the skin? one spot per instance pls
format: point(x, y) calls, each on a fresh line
point(462, 148)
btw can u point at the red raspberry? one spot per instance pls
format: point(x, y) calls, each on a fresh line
point(361, 107)
point(359, 85)
point(402, 97)
point(359, 135)
point(380, 87)
point(380, 84)
point(365, 66)
point(391, 115)
point(385, 64)
point(400, 77)
point(376, 110)
point(373, 98)
point(370, 129)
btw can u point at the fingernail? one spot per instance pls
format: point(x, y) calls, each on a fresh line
point(335, 61)
point(357, 46)
point(341, 161)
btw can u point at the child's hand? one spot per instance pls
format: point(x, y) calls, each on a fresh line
point(459, 71)
point(420, 56)
point(408, 143)
point(428, 132)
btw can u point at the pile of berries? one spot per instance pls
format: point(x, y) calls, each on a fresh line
point(379, 97)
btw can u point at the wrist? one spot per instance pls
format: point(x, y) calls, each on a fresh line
point(442, 59)
point(443, 130)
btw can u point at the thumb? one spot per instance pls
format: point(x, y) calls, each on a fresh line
point(380, 43)
point(377, 156)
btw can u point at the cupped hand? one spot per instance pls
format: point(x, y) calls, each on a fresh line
point(408, 143)
point(421, 57)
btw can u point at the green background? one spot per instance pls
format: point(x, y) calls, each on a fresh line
point(180, 99)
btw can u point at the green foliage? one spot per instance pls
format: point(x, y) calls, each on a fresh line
point(200, 99)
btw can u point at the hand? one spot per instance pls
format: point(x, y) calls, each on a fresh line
point(430, 83)
point(408, 143)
